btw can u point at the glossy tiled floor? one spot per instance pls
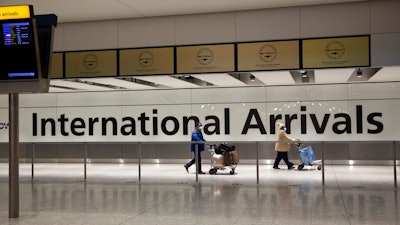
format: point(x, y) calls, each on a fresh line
point(166, 194)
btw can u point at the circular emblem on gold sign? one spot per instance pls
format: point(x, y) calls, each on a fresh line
point(267, 53)
point(205, 56)
point(146, 59)
point(335, 50)
point(90, 61)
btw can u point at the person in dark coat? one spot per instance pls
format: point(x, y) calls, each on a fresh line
point(197, 135)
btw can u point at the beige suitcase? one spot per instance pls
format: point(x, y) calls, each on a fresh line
point(235, 157)
point(231, 158)
point(218, 160)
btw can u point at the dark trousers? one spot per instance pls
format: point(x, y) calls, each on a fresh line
point(284, 156)
point(189, 164)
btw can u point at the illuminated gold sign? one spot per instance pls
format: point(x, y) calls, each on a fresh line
point(275, 55)
point(336, 52)
point(15, 12)
point(57, 66)
point(206, 58)
point(146, 61)
point(91, 64)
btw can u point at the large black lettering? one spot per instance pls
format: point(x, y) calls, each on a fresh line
point(77, 123)
point(34, 124)
point(92, 121)
point(186, 121)
point(164, 125)
point(272, 122)
point(320, 129)
point(288, 121)
point(155, 122)
point(303, 120)
point(253, 113)
point(129, 128)
point(346, 124)
point(104, 122)
point(52, 126)
point(215, 125)
point(143, 118)
point(62, 121)
point(359, 119)
point(227, 121)
point(371, 120)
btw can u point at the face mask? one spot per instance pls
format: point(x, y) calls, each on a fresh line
point(284, 129)
point(200, 128)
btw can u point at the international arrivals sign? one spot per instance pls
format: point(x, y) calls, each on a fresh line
point(170, 116)
point(151, 124)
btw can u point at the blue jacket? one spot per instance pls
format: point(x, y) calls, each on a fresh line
point(197, 136)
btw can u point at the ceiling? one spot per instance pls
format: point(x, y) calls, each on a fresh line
point(91, 10)
point(264, 78)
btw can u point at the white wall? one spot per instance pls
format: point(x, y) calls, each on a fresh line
point(327, 107)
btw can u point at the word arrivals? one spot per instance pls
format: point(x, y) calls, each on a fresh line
point(152, 125)
point(342, 122)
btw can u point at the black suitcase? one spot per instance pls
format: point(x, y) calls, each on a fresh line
point(226, 147)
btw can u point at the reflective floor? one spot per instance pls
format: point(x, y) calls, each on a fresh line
point(166, 194)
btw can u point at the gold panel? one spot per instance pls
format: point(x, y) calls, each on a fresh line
point(91, 64)
point(276, 55)
point(57, 66)
point(336, 52)
point(146, 61)
point(206, 58)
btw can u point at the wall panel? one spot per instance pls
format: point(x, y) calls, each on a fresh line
point(58, 41)
point(335, 20)
point(229, 95)
point(157, 31)
point(159, 97)
point(374, 91)
point(385, 49)
point(91, 35)
point(268, 24)
point(385, 16)
point(205, 28)
point(307, 92)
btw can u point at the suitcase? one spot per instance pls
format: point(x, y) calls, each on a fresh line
point(217, 160)
point(231, 158)
point(235, 157)
point(226, 147)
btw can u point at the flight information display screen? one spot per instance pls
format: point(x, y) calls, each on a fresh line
point(16, 33)
point(19, 51)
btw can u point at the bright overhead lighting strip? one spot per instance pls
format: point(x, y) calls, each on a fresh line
point(78, 85)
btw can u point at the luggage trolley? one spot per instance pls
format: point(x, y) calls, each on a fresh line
point(307, 157)
point(222, 156)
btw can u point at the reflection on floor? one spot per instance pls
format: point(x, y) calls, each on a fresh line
point(166, 194)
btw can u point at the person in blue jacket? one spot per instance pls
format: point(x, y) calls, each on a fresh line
point(197, 135)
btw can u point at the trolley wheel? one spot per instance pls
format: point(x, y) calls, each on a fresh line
point(300, 167)
point(232, 172)
point(212, 171)
point(319, 167)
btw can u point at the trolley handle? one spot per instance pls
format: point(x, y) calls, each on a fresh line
point(298, 143)
point(211, 148)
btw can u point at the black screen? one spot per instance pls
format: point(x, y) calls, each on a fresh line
point(18, 50)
